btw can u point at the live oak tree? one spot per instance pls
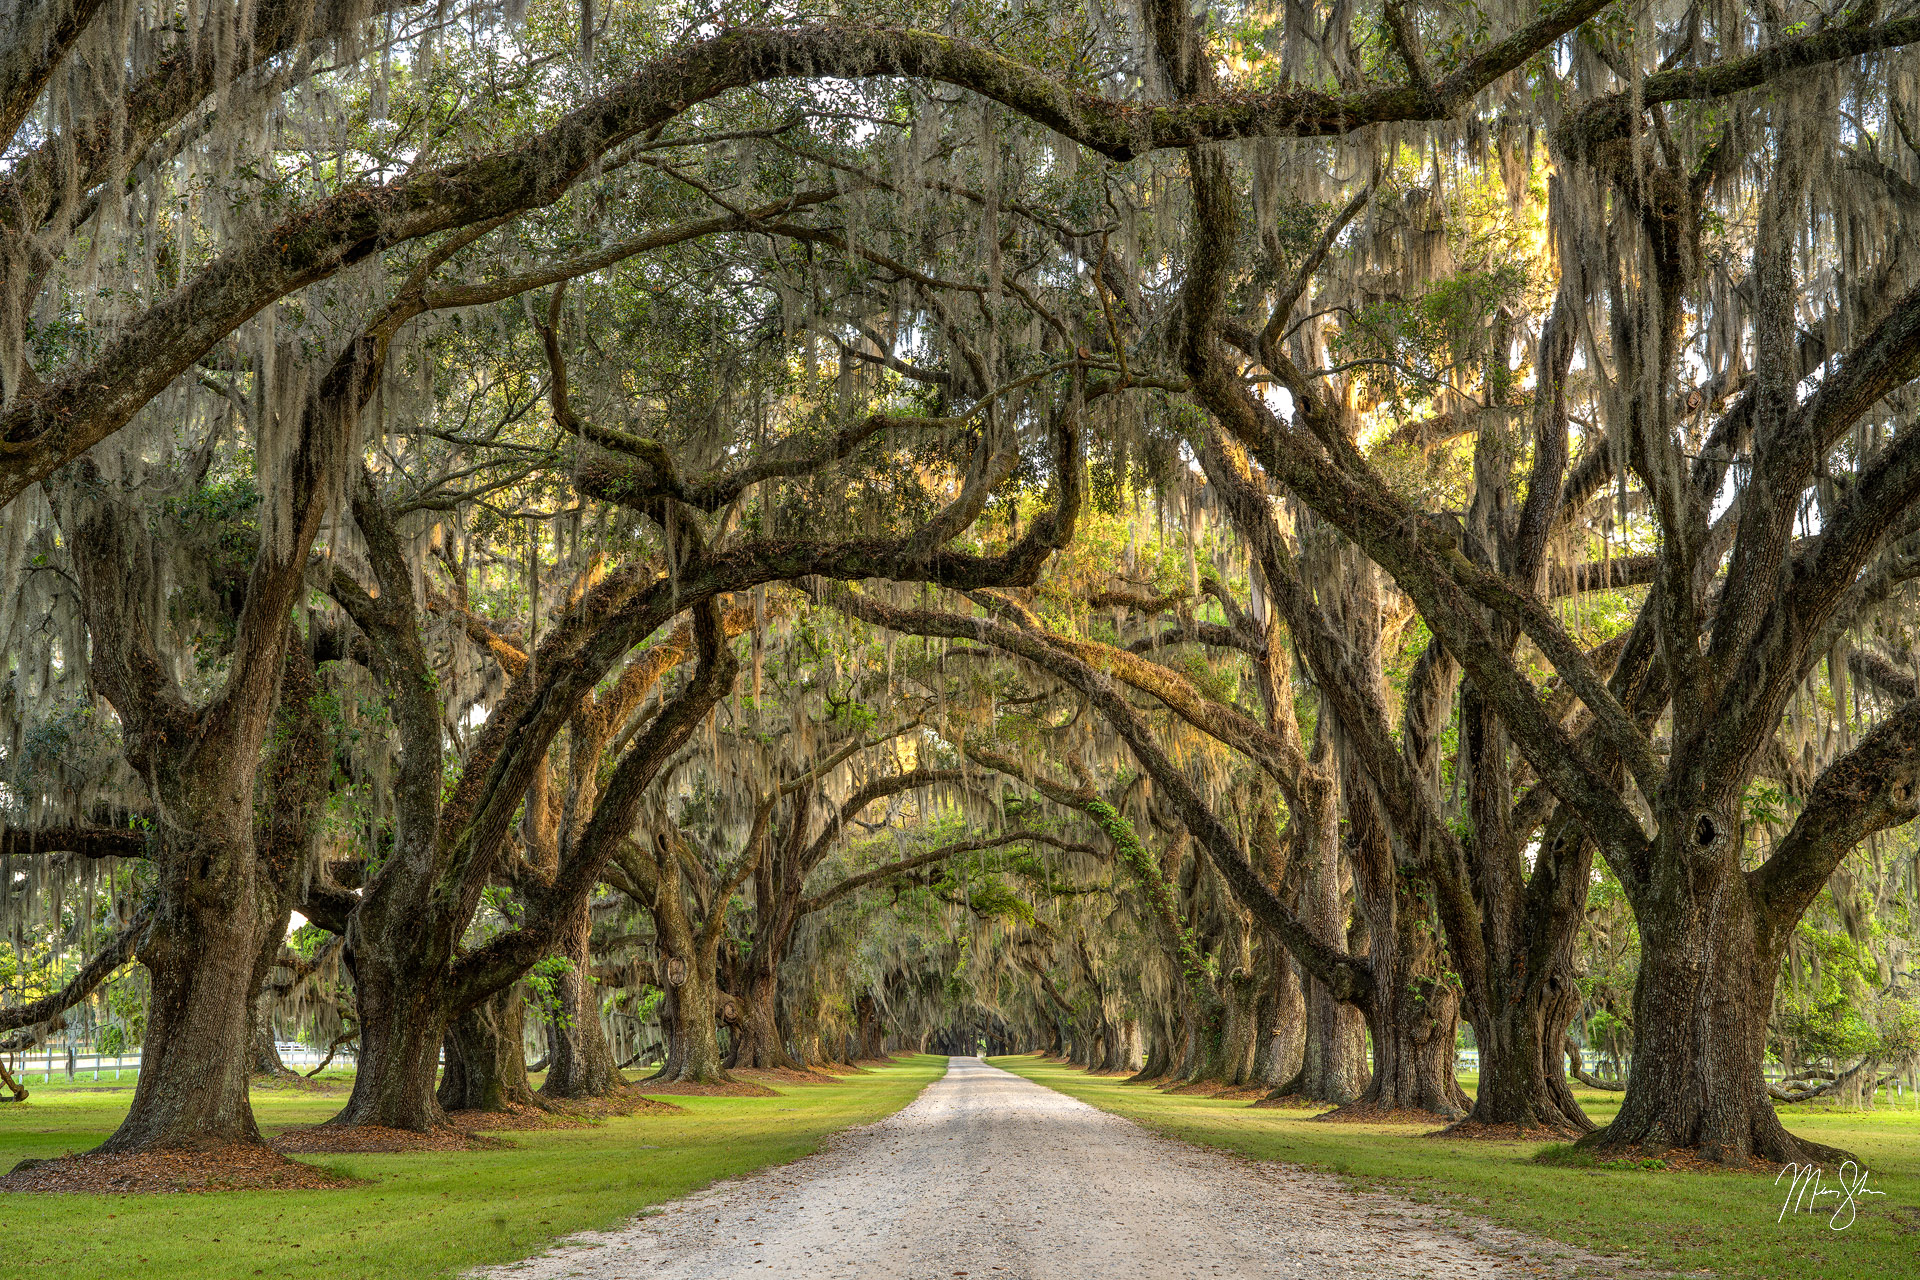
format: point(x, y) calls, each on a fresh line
point(1003, 233)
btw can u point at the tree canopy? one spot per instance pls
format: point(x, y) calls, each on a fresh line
point(1246, 542)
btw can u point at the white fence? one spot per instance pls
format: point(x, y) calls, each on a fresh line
point(47, 1064)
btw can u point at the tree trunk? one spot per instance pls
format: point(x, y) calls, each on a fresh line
point(1239, 1040)
point(1162, 1039)
point(1415, 1015)
point(1333, 1057)
point(1280, 1039)
point(690, 1016)
point(1701, 1004)
point(1112, 1049)
point(1333, 1065)
point(1205, 1026)
point(265, 1054)
point(757, 1043)
point(582, 1064)
point(486, 1061)
point(1520, 1023)
point(1523, 1075)
point(199, 953)
point(264, 1051)
point(403, 1025)
point(873, 1033)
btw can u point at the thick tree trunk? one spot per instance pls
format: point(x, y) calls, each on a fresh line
point(1200, 1054)
point(403, 1025)
point(1414, 1028)
point(690, 1016)
point(873, 1033)
point(1333, 1062)
point(199, 953)
point(1163, 1041)
point(1523, 1078)
point(1520, 1023)
point(582, 1064)
point(486, 1063)
point(1280, 1042)
point(1113, 1054)
point(1701, 1005)
point(757, 1043)
point(1239, 1042)
point(1415, 1015)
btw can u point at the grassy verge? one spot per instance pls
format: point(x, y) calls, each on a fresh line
point(415, 1215)
point(1723, 1223)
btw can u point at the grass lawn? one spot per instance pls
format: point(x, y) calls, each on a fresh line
point(415, 1215)
point(1722, 1223)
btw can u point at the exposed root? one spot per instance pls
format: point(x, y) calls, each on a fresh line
point(236, 1167)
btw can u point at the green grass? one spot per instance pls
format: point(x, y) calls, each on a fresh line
point(415, 1215)
point(1723, 1223)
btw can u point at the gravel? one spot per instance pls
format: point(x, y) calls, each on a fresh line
point(987, 1175)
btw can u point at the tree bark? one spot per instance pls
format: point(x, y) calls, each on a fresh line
point(1701, 1004)
point(1333, 1066)
point(873, 1032)
point(1416, 1012)
point(403, 1024)
point(1281, 1035)
point(757, 1042)
point(199, 953)
point(582, 1065)
point(1239, 1041)
point(486, 1062)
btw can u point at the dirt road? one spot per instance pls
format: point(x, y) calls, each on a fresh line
point(989, 1176)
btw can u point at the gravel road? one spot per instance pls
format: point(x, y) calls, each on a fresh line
point(990, 1176)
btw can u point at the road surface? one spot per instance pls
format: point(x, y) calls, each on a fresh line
point(989, 1176)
